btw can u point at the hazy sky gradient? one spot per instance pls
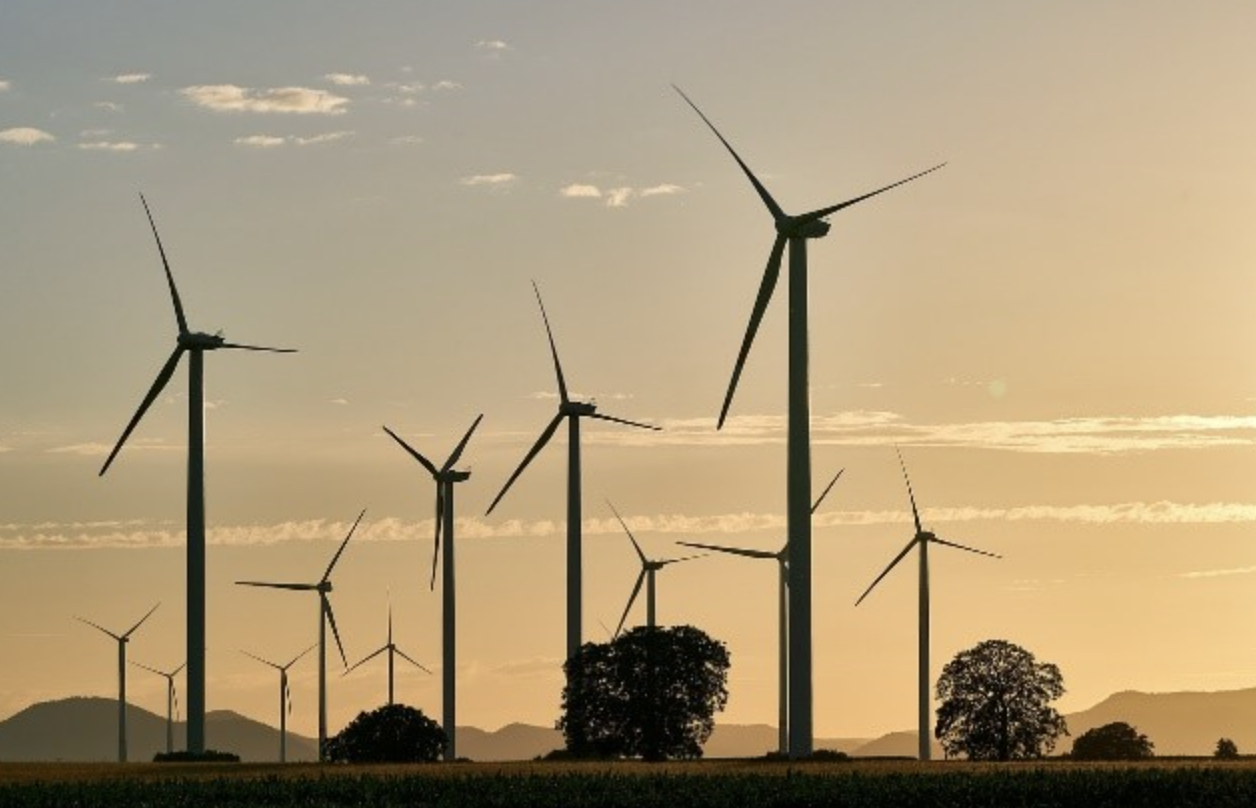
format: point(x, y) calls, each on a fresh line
point(1056, 329)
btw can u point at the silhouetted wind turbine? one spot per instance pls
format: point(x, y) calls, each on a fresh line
point(172, 700)
point(194, 343)
point(922, 540)
point(446, 478)
point(325, 616)
point(573, 411)
point(122, 639)
point(795, 231)
point(782, 561)
point(648, 569)
point(285, 696)
point(392, 649)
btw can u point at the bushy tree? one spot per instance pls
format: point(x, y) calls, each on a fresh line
point(392, 734)
point(995, 703)
point(650, 693)
point(1226, 750)
point(1115, 741)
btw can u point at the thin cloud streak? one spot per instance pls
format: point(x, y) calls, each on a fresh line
point(288, 100)
point(25, 136)
point(131, 78)
point(500, 181)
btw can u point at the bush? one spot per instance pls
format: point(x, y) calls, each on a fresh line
point(1226, 750)
point(1115, 741)
point(396, 733)
point(208, 756)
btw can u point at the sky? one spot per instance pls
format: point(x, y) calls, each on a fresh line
point(1055, 330)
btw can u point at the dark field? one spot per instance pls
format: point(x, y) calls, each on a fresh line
point(743, 784)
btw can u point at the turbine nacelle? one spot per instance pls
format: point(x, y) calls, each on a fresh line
point(802, 227)
point(453, 476)
point(198, 341)
point(577, 408)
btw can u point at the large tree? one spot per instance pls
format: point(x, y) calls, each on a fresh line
point(1115, 741)
point(395, 733)
point(650, 693)
point(995, 703)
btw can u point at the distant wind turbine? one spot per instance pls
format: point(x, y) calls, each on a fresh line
point(193, 343)
point(122, 640)
point(781, 557)
point(325, 616)
point(921, 540)
point(446, 478)
point(285, 696)
point(393, 650)
point(172, 700)
point(649, 567)
point(573, 411)
point(794, 231)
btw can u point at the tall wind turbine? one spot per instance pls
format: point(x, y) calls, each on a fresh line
point(446, 478)
point(781, 557)
point(648, 569)
point(122, 639)
point(393, 650)
point(172, 700)
point(195, 344)
point(573, 411)
point(794, 231)
point(921, 540)
point(325, 616)
point(285, 696)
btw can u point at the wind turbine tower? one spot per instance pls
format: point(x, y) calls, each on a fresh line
point(122, 640)
point(649, 567)
point(393, 650)
point(285, 697)
point(172, 700)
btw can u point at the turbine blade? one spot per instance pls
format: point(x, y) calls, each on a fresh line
point(682, 558)
point(145, 667)
point(390, 616)
point(141, 621)
point(820, 214)
point(427, 464)
point(827, 489)
point(632, 538)
point(297, 658)
point(599, 416)
point(766, 287)
point(239, 347)
point(730, 550)
point(365, 659)
point(886, 572)
point(911, 494)
point(174, 292)
point(462, 444)
point(631, 599)
point(343, 544)
point(287, 696)
point(98, 628)
point(440, 518)
point(777, 213)
point(936, 540)
point(269, 585)
point(331, 618)
point(407, 658)
point(261, 660)
point(558, 368)
point(163, 378)
point(175, 672)
point(536, 448)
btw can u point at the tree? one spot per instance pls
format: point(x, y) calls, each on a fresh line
point(994, 703)
point(1226, 750)
point(650, 693)
point(1115, 741)
point(395, 733)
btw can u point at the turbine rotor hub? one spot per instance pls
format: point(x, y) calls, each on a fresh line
point(453, 476)
point(577, 408)
point(793, 228)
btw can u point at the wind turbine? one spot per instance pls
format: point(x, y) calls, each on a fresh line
point(446, 478)
point(781, 557)
point(122, 639)
point(648, 569)
point(172, 700)
point(573, 411)
point(325, 616)
point(794, 231)
point(285, 696)
point(193, 343)
point(392, 650)
point(921, 540)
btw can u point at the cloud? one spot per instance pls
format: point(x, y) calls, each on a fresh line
point(4, 86)
point(577, 191)
point(666, 189)
point(1218, 573)
point(261, 141)
point(501, 181)
point(291, 100)
point(617, 197)
point(108, 106)
point(273, 141)
point(25, 136)
point(445, 85)
point(341, 402)
point(315, 140)
point(406, 140)
point(110, 145)
point(347, 79)
point(131, 78)
point(494, 47)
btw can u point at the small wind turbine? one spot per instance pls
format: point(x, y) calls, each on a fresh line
point(781, 557)
point(172, 700)
point(922, 540)
point(122, 639)
point(392, 650)
point(446, 478)
point(193, 343)
point(794, 231)
point(285, 696)
point(648, 569)
point(325, 616)
point(573, 411)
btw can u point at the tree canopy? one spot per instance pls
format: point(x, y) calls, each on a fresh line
point(650, 693)
point(1115, 741)
point(395, 733)
point(1226, 749)
point(995, 703)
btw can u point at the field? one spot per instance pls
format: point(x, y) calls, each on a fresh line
point(710, 783)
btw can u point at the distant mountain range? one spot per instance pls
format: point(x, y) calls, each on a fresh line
point(86, 729)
